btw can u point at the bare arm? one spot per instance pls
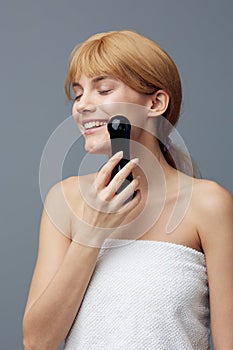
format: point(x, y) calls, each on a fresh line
point(64, 268)
point(61, 276)
point(216, 232)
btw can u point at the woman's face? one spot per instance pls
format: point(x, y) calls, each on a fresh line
point(101, 93)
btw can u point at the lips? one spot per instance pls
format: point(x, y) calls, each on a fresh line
point(92, 125)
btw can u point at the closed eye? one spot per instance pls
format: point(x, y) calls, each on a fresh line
point(105, 92)
point(77, 98)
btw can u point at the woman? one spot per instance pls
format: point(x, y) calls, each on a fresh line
point(154, 290)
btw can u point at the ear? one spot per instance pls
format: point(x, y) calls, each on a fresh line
point(159, 103)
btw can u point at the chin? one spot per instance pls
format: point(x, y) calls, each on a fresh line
point(98, 148)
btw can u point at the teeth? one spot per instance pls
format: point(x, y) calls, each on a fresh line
point(94, 124)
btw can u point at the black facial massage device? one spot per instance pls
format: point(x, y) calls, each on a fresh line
point(119, 129)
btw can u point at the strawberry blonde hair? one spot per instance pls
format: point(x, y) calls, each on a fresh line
point(138, 62)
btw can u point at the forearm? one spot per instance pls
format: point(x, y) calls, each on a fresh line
point(49, 319)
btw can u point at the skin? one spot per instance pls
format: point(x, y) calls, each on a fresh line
point(207, 225)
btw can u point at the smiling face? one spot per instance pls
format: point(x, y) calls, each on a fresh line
point(124, 67)
point(94, 99)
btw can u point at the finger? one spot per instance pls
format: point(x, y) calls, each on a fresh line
point(104, 175)
point(128, 207)
point(121, 176)
point(126, 193)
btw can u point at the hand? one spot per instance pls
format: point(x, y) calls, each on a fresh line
point(104, 210)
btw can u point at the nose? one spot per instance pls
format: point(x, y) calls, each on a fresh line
point(85, 105)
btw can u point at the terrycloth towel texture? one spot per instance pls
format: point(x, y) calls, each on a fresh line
point(144, 295)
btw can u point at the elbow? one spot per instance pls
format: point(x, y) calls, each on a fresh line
point(35, 343)
point(26, 336)
point(30, 342)
point(34, 340)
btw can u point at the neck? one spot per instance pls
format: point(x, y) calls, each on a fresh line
point(154, 171)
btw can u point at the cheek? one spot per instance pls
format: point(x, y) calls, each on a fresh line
point(74, 113)
point(133, 96)
point(73, 109)
point(77, 119)
point(98, 143)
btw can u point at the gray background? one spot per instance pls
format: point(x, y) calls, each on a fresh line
point(35, 40)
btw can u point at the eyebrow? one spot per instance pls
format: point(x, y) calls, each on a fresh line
point(95, 80)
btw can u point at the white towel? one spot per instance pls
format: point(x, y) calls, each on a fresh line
point(144, 295)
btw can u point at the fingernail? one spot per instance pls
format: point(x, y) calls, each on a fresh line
point(135, 161)
point(118, 155)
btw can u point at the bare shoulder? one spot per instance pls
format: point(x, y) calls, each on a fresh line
point(213, 210)
point(71, 191)
point(59, 195)
point(211, 196)
point(71, 186)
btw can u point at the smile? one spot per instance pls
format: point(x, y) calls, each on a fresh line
point(94, 124)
